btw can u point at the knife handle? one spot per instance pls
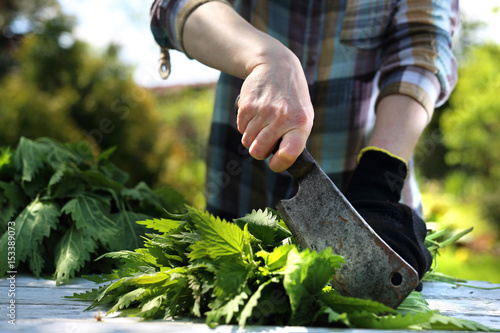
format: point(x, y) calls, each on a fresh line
point(301, 166)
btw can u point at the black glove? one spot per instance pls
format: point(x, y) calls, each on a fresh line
point(375, 191)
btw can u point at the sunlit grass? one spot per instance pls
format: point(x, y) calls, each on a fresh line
point(475, 256)
point(466, 264)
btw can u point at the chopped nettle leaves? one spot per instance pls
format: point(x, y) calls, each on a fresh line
point(250, 272)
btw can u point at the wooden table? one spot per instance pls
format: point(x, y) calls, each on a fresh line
point(41, 307)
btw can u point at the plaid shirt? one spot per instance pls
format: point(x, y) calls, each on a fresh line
point(353, 52)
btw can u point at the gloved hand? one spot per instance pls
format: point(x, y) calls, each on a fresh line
point(375, 191)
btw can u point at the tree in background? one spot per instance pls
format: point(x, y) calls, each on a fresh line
point(461, 144)
point(18, 19)
point(61, 88)
point(471, 131)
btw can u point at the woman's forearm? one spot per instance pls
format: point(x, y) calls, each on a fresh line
point(399, 124)
point(217, 36)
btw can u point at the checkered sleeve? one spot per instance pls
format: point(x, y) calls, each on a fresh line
point(417, 60)
point(168, 18)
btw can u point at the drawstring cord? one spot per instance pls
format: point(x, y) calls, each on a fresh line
point(164, 63)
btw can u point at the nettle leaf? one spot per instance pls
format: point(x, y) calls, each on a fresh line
point(83, 149)
point(71, 253)
point(231, 276)
point(168, 250)
point(277, 259)
point(98, 180)
point(6, 214)
point(331, 317)
point(307, 272)
point(33, 225)
point(101, 278)
point(124, 256)
point(89, 295)
point(92, 219)
point(148, 196)
point(28, 158)
point(305, 275)
point(132, 193)
point(37, 186)
point(440, 322)
point(170, 200)
point(341, 303)
point(106, 154)
point(365, 319)
point(178, 296)
point(65, 183)
point(218, 237)
point(153, 278)
point(11, 200)
point(161, 225)
point(227, 310)
point(126, 299)
point(111, 171)
point(129, 231)
point(103, 294)
point(261, 224)
point(57, 176)
point(415, 302)
point(253, 302)
point(5, 157)
point(13, 193)
point(59, 153)
point(151, 307)
point(132, 261)
point(36, 261)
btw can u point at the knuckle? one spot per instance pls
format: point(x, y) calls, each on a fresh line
point(287, 159)
point(257, 153)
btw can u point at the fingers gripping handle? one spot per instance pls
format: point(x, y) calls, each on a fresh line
point(302, 165)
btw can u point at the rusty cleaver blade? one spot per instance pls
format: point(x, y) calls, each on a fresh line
point(319, 216)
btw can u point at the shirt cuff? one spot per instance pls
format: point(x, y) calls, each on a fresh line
point(416, 82)
point(184, 13)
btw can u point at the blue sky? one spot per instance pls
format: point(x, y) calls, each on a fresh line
point(126, 23)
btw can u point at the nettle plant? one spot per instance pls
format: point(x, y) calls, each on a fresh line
point(247, 272)
point(69, 206)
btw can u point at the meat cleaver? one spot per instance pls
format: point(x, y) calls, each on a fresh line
point(319, 216)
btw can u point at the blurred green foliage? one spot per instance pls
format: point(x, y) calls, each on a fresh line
point(475, 256)
point(471, 128)
point(19, 18)
point(62, 88)
point(461, 147)
point(185, 113)
point(458, 162)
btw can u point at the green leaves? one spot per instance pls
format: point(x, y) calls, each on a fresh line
point(203, 266)
point(218, 238)
point(264, 226)
point(305, 275)
point(28, 158)
point(70, 207)
point(31, 227)
point(72, 251)
point(92, 220)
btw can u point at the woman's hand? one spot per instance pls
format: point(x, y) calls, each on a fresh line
point(275, 104)
point(274, 99)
